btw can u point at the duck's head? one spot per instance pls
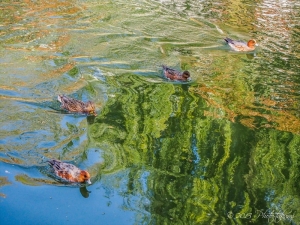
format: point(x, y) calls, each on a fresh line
point(186, 75)
point(84, 176)
point(90, 108)
point(252, 43)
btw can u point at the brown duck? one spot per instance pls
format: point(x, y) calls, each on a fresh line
point(175, 75)
point(76, 106)
point(69, 172)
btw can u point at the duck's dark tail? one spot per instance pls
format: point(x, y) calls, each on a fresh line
point(228, 40)
point(51, 162)
point(54, 163)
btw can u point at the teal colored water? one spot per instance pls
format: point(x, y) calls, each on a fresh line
point(221, 149)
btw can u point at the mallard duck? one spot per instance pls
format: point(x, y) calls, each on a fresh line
point(175, 75)
point(69, 172)
point(241, 46)
point(76, 106)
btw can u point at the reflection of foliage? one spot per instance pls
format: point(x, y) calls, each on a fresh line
point(272, 160)
point(274, 169)
point(74, 71)
point(3, 181)
point(31, 181)
point(25, 179)
point(132, 118)
point(199, 167)
point(231, 97)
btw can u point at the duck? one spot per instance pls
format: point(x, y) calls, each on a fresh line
point(241, 46)
point(76, 106)
point(175, 75)
point(69, 172)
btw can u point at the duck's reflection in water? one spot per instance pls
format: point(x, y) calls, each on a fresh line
point(84, 192)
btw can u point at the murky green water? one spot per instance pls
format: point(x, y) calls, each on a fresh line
point(222, 149)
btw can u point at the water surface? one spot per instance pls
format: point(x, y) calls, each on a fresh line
point(222, 149)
